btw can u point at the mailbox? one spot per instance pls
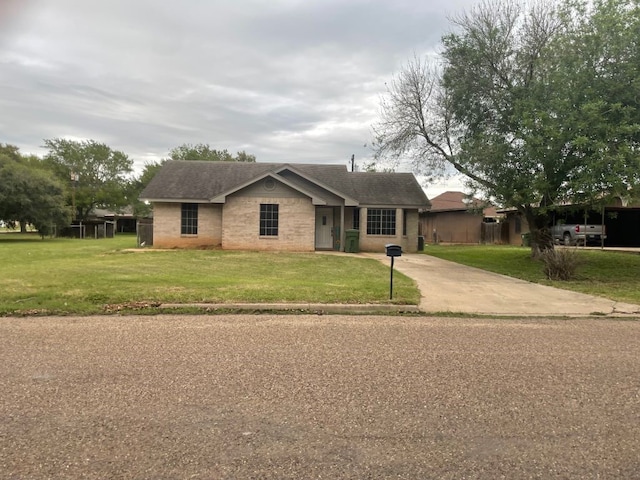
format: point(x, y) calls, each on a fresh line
point(393, 250)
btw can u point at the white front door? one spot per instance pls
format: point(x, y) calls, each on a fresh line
point(324, 226)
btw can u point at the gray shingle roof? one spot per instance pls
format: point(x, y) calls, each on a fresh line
point(202, 181)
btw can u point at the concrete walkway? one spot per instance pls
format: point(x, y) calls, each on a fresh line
point(451, 287)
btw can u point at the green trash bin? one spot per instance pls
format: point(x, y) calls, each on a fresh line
point(352, 241)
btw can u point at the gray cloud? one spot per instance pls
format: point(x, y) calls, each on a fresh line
point(287, 80)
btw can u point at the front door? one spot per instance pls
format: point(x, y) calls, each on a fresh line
point(324, 226)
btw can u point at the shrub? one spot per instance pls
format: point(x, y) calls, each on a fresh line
point(560, 264)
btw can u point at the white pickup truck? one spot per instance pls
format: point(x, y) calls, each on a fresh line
point(574, 234)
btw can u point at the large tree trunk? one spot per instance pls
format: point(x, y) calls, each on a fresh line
point(541, 238)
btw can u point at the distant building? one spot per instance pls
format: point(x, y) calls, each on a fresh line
point(455, 217)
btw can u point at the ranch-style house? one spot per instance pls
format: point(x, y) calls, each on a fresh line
point(282, 207)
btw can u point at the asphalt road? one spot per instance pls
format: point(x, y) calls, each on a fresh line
point(234, 397)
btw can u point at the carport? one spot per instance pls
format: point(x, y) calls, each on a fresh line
point(622, 224)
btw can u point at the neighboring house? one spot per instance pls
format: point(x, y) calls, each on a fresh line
point(456, 218)
point(124, 221)
point(103, 223)
point(282, 207)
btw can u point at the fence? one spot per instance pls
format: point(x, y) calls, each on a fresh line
point(144, 230)
point(494, 233)
point(88, 229)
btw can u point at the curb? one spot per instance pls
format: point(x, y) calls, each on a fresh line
point(369, 308)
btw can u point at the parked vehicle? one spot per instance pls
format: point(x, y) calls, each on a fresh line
point(573, 234)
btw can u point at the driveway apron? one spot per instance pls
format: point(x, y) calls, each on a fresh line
point(450, 287)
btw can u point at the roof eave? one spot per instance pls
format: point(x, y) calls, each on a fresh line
point(396, 205)
point(174, 200)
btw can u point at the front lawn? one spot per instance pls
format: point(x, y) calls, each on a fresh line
point(64, 276)
point(614, 275)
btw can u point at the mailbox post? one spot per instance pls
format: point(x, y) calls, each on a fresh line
point(393, 251)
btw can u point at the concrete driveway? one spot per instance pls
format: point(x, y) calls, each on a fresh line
point(451, 287)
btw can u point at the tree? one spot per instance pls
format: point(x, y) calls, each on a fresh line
point(527, 103)
point(139, 184)
point(31, 161)
point(29, 195)
point(96, 174)
point(596, 63)
point(10, 152)
point(203, 151)
point(185, 151)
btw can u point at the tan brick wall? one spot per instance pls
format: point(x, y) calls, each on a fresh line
point(237, 228)
point(241, 224)
point(166, 226)
point(376, 243)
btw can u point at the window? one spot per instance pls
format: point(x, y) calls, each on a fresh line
point(518, 226)
point(268, 220)
point(189, 219)
point(356, 219)
point(381, 221)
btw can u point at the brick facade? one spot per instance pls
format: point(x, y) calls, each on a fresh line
point(316, 205)
point(166, 226)
point(376, 243)
point(241, 224)
point(237, 228)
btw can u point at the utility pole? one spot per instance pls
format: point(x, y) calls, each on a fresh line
point(353, 162)
point(74, 179)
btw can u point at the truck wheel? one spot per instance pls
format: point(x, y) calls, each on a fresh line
point(567, 239)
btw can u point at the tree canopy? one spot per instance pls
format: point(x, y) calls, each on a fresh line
point(537, 105)
point(202, 151)
point(186, 151)
point(96, 174)
point(138, 185)
point(75, 177)
point(28, 194)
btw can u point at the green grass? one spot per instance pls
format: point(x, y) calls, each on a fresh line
point(614, 275)
point(64, 276)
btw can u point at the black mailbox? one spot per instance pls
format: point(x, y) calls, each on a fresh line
point(393, 250)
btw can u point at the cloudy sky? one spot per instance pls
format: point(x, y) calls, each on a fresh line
point(285, 80)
